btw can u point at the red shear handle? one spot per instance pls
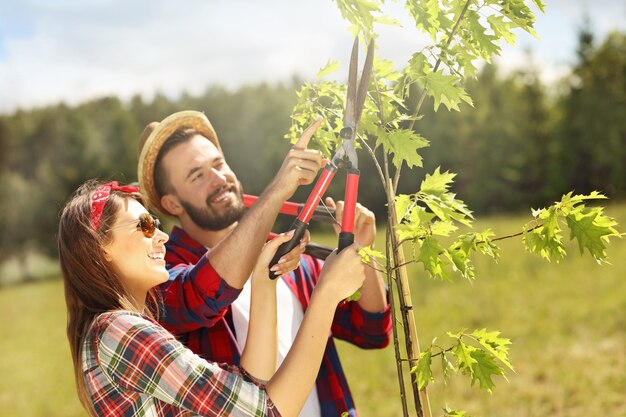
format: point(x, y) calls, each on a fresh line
point(346, 237)
point(301, 223)
point(318, 191)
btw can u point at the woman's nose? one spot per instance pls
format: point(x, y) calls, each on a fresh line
point(160, 236)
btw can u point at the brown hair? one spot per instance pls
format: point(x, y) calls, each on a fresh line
point(91, 285)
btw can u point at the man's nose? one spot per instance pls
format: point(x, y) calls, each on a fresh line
point(217, 177)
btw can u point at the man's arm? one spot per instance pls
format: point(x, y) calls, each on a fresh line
point(235, 256)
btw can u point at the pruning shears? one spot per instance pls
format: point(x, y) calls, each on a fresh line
point(345, 158)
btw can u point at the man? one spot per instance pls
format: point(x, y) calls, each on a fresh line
point(182, 172)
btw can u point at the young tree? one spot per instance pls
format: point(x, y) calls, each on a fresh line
point(461, 33)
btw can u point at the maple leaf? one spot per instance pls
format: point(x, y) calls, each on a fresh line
point(461, 262)
point(423, 370)
point(483, 368)
point(497, 346)
point(369, 255)
point(546, 239)
point(465, 360)
point(501, 28)
point(437, 183)
point(403, 143)
point(592, 230)
point(329, 68)
point(444, 89)
point(484, 44)
point(402, 204)
point(448, 412)
point(442, 228)
point(429, 256)
point(446, 367)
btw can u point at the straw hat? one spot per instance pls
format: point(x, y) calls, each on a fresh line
point(152, 139)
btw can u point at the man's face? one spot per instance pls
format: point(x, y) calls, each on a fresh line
point(204, 184)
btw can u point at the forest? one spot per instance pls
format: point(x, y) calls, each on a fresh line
point(524, 145)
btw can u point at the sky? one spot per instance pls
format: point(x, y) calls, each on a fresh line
point(78, 50)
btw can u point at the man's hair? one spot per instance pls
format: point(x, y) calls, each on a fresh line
point(162, 184)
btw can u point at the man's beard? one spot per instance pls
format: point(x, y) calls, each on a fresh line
point(207, 218)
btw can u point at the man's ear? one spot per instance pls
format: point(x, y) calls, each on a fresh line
point(170, 203)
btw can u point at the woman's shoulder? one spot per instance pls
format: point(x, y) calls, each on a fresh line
point(122, 321)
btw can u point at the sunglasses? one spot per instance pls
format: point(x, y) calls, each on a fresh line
point(147, 223)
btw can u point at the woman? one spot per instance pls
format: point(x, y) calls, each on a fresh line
point(111, 253)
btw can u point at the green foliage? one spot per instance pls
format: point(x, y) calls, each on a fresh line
point(371, 256)
point(362, 14)
point(462, 32)
point(480, 363)
point(588, 225)
point(448, 412)
point(422, 369)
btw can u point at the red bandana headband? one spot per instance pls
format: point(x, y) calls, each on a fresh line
point(100, 197)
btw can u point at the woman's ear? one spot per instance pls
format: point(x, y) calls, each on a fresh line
point(107, 255)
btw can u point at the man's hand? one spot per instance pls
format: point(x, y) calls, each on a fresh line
point(364, 222)
point(300, 166)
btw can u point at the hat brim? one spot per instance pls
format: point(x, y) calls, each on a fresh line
point(152, 146)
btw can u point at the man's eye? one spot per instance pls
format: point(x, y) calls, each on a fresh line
point(196, 177)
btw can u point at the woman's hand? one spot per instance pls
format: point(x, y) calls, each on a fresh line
point(286, 264)
point(291, 260)
point(343, 273)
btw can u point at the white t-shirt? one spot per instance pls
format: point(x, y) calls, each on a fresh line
point(290, 315)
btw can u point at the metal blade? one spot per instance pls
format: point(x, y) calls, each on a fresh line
point(365, 80)
point(349, 116)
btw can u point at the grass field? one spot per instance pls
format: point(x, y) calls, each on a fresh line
point(567, 323)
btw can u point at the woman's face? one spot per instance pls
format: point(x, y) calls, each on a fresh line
point(139, 260)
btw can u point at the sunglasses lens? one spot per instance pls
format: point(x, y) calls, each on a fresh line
point(148, 224)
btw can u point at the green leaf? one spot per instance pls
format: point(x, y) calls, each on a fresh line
point(402, 203)
point(483, 368)
point(329, 68)
point(592, 231)
point(447, 207)
point(361, 13)
point(483, 44)
point(368, 255)
point(448, 412)
point(461, 262)
point(437, 183)
point(442, 228)
point(501, 28)
point(446, 367)
point(423, 370)
point(465, 360)
point(416, 224)
point(444, 90)
point(426, 16)
point(403, 143)
point(429, 256)
point(497, 346)
point(356, 296)
point(546, 239)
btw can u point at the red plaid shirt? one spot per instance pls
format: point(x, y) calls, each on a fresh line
point(133, 367)
point(197, 311)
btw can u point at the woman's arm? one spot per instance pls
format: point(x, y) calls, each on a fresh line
point(261, 349)
point(341, 276)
